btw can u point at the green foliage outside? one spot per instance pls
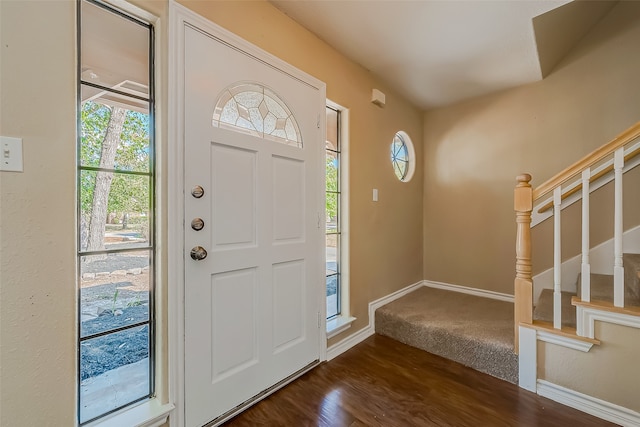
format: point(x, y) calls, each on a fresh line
point(128, 193)
point(332, 186)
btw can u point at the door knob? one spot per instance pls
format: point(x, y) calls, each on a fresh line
point(197, 191)
point(198, 253)
point(197, 224)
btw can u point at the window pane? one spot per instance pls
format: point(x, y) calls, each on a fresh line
point(114, 291)
point(332, 212)
point(114, 371)
point(114, 49)
point(332, 130)
point(332, 171)
point(100, 120)
point(114, 210)
point(400, 157)
point(332, 295)
point(332, 253)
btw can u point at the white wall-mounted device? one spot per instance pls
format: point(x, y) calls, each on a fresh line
point(10, 154)
point(378, 98)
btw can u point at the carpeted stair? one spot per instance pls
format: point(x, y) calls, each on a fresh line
point(601, 290)
point(474, 331)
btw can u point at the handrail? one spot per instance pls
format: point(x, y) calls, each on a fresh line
point(619, 141)
point(594, 178)
point(524, 198)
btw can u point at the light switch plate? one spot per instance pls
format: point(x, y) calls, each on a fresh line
point(10, 154)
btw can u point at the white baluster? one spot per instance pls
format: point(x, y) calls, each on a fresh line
point(618, 269)
point(557, 260)
point(585, 284)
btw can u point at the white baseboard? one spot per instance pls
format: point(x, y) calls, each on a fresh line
point(591, 405)
point(467, 290)
point(364, 333)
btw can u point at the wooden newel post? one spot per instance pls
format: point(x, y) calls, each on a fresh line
point(523, 286)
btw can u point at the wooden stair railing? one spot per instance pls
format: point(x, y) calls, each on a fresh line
point(523, 286)
point(587, 161)
point(594, 177)
point(524, 201)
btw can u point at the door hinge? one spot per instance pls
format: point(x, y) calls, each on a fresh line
point(318, 320)
point(318, 122)
point(318, 220)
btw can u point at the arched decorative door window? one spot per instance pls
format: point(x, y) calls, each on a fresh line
point(254, 109)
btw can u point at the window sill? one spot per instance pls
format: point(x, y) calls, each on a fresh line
point(338, 324)
point(149, 413)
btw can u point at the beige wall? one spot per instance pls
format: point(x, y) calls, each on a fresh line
point(37, 215)
point(608, 372)
point(385, 237)
point(37, 221)
point(474, 150)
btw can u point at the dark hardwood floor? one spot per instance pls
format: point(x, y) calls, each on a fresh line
point(382, 382)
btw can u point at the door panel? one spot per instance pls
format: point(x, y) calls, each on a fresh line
point(233, 201)
point(288, 304)
point(288, 199)
point(233, 296)
point(251, 305)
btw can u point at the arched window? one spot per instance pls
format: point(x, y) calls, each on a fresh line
point(254, 109)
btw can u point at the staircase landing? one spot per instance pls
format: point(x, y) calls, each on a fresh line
point(472, 330)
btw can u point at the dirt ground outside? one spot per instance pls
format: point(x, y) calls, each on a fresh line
point(114, 293)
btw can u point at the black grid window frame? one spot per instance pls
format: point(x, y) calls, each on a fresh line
point(338, 231)
point(151, 174)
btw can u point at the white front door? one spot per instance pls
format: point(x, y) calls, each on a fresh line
point(252, 305)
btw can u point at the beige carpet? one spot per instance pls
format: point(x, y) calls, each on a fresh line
point(474, 331)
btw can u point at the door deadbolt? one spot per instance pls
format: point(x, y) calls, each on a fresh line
point(197, 192)
point(197, 224)
point(198, 253)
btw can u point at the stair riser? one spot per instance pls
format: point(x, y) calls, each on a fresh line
point(631, 263)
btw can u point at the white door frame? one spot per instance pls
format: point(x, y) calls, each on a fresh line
point(178, 16)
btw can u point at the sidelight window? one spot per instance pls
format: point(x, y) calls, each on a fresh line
point(337, 220)
point(116, 210)
point(333, 213)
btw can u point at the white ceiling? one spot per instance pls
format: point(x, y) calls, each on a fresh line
point(439, 52)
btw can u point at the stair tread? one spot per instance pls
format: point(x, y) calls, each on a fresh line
point(601, 290)
point(474, 331)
